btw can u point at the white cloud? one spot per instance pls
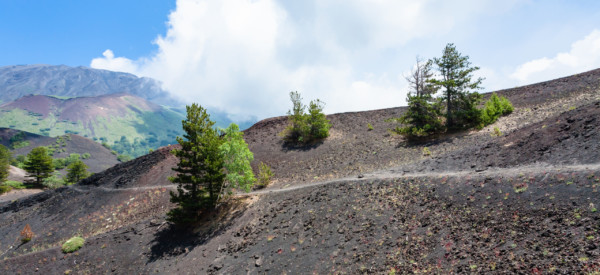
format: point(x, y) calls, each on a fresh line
point(583, 56)
point(109, 62)
point(245, 56)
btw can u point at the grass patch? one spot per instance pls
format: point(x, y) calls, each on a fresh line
point(73, 244)
point(15, 184)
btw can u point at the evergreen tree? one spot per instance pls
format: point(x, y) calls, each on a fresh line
point(317, 122)
point(39, 164)
point(76, 171)
point(457, 84)
point(422, 117)
point(4, 163)
point(297, 119)
point(303, 127)
point(200, 169)
point(237, 158)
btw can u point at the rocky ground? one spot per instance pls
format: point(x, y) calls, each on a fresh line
point(524, 202)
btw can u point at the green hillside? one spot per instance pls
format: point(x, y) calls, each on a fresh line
point(126, 124)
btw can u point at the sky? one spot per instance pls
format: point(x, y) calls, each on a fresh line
point(243, 57)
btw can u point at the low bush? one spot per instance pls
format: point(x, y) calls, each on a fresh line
point(264, 175)
point(494, 108)
point(14, 184)
point(26, 234)
point(73, 244)
point(5, 189)
point(54, 181)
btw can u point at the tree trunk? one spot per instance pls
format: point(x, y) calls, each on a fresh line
point(449, 121)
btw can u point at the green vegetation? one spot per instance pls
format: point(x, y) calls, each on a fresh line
point(5, 189)
point(424, 115)
point(73, 244)
point(306, 127)
point(237, 158)
point(124, 158)
point(15, 184)
point(456, 108)
point(54, 181)
point(39, 164)
point(4, 163)
point(264, 175)
point(209, 167)
point(60, 163)
point(200, 174)
point(76, 171)
point(457, 85)
point(86, 156)
point(369, 127)
point(144, 130)
point(494, 108)
point(18, 141)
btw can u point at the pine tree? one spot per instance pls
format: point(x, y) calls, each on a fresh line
point(76, 171)
point(200, 169)
point(316, 120)
point(423, 115)
point(39, 164)
point(4, 163)
point(457, 84)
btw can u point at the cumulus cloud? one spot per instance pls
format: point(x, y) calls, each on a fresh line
point(245, 56)
point(584, 55)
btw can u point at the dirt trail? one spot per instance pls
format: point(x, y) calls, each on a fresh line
point(380, 175)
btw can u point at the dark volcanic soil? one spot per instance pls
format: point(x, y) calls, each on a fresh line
point(572, 137)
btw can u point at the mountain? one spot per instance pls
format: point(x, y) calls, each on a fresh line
point(69, 82)
point(64, 81)
point(129, 124)
point(361, 201)
point(94, 155)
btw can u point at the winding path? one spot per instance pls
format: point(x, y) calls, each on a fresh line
point(377, 175)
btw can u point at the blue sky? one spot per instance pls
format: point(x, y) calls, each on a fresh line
point(245, 56)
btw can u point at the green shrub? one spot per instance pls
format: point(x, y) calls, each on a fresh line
point(426, 151)
point(73, 244)
point(124, 158)
point(305, 128)
point(54, 181)
point(86, 155)
point(19, 144)
point(15, 184)
point(5, 189)
point(496, 132)
point(369, 127)
point(494, 108)
point(264, 175)
point(421, 119)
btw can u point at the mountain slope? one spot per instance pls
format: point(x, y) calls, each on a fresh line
point(99, 158)
point(64, 81)
point(517, 216)
point(128, 123)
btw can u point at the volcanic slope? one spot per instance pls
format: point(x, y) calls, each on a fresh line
point(99, 158)
point(353, 148)
point(537, 217)
point(124, 121)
